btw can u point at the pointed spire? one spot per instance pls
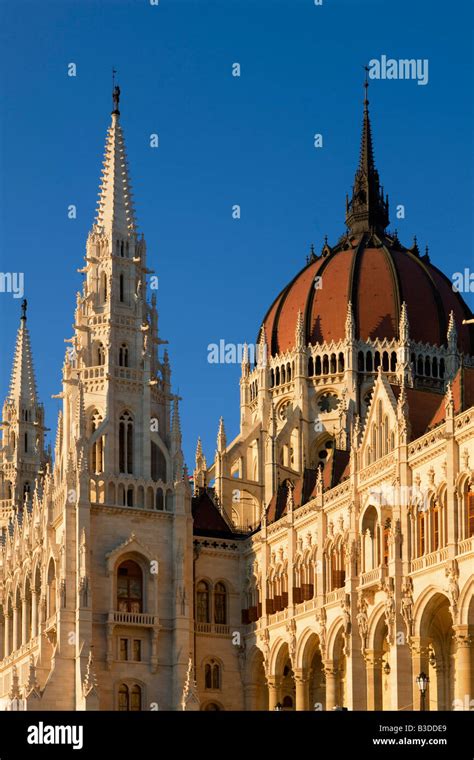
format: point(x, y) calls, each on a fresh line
point(299, 332)
point(221, 436)
point(176, 424)
point(245, 366)
point(115, 212)
point(404, 325)
point(23, 382)
point(201, 463)
point(367, 210)
point(452, 334)
point(262, 349)
point(350, 324)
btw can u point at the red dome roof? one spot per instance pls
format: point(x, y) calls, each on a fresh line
point(377, 276)
point(371, 269)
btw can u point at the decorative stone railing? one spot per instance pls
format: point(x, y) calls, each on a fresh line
point(373, 577)
point(466, 546)
point(429, 560)
point(335, 596)
point(217, 629)
point(133, 618)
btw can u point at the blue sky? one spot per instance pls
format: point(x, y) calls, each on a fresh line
point(223, 141)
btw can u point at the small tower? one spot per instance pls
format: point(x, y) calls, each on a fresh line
point(22, 455)
point(404, 368)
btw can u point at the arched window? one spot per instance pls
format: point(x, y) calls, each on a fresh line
point(202, 602)
point(419, 366)
point(100, 354)
point(441, 368)
point(103, 287)
point(385, 361)
point(386, 536)
point(333, 364)
point(393, 361)
point(220, 604)
point(283, 375)
point(26, 490)
point(51, 598)
point(158, 463)
point(310, 367)
point(421, 533)
point(121, 288)
point(325, 365)
point(136, 698)
point(212, 675)
point(123, 694)
point(360, 361)
point(434, 367)
point(277, 376)
point(368, 361)
point(427, 367)
point(123, 355)
point(435, 525)
point(8, 486)
point(377, 361)
point(26, 443)
point(121, 248)
point(272, 383)
point(129, 587)
point(470, 513)
point(317, 370)
point(340, 362)
point(97, 453)
point(126, 443)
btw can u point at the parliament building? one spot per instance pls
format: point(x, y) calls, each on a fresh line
point(324, 558)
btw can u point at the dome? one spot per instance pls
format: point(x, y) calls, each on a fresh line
point(372, 270)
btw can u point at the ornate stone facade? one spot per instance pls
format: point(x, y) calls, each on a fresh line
point(326, 557)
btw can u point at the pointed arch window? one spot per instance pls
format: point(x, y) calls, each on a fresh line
point(97, 451)
point(202, 602)
point(470, 514)
point(435, 525)
point(26, 443)
point(212, 675)
point(123, 355)
point(123, 696)
point(100, 354)
point(421, 533)
point(136, 698)
point(126, 443)
point(220, 604)
point(122, 288)
point(129, 587)
point(103, 287)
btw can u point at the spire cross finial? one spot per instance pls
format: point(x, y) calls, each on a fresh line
point(24, 305)
point(115, 93)
point(366, 87)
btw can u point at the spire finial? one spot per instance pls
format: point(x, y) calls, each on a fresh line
point(115, 93)
point(368, 208)
point(24, 306)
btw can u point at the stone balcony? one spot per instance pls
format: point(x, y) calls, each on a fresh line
point(429, 560)
point(213, 629)
point(141, 619)
point(373, 577)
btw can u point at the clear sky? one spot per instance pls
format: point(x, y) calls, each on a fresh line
point(223, 141)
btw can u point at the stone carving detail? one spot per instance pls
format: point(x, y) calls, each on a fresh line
point(390, 610)
point(452, 573)
point(407, 605)
point(362, 619)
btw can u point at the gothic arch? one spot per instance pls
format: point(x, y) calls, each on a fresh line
point(307, 644)
point(336, 628)
point(423, 604)
point(465, 603)
point(375, 617)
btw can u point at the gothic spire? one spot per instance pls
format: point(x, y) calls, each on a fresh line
point(23, 382)
point(367, 210)
point(115, 212)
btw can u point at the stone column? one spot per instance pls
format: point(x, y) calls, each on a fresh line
point(274, 687)
point(331, 672)
point(34, 613)
point(462, 680)
point(7, 635)
point(24, 620)
point(302, 695)
point(15, 629)
point(250, 696)
point(419, 659)
point(373, 663)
